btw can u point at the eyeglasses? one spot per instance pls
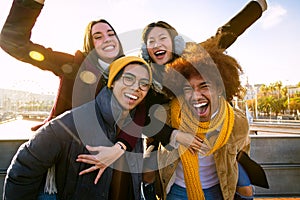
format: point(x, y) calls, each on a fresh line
point(130, 79)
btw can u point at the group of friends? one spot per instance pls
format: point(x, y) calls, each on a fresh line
point(159, 125)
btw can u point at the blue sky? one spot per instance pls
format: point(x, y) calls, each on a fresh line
point(267, 51)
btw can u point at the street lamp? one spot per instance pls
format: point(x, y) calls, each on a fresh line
point(288, 97)
point(288, 93)
point(256, 114)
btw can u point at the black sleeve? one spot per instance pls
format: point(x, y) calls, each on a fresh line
point(152, 128)
point(128, 140)
point(158, 130)
point(28, 167)
point(229, 32)
point(16, 34)
point(30, 4)
point(16, 31)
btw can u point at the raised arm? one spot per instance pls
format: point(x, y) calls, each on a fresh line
point(228, 33)
point(15, 38)
point(40, 1)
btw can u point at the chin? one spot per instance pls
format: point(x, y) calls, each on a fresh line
point(159, 62)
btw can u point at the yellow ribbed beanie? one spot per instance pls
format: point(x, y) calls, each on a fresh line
point(116, 66)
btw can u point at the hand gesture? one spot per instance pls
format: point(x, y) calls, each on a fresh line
point(105, 157)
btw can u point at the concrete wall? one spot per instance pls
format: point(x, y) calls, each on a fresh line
point(7, 148)
point(278, 155)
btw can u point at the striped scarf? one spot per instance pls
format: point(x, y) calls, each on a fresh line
point(183, 119)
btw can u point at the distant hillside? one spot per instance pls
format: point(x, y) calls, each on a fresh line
point(17, 95)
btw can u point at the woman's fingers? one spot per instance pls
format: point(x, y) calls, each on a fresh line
point(91, 169)
point(101, 170)
point(198, 145)
point(95, 148)
point(89, 159)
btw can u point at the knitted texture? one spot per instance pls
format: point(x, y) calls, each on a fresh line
point(116, 66)
point(183, 119)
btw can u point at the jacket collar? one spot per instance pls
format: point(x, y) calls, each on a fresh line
point(110, 107)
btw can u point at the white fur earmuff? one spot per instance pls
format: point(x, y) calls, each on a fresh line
point(179, 46)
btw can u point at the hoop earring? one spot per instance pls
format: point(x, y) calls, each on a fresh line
point(179, 46)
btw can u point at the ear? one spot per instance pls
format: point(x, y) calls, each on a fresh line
point(221, 91)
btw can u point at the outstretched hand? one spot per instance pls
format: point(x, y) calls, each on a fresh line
point(105, 157)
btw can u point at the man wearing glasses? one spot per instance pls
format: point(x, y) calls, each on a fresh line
point(76, 132)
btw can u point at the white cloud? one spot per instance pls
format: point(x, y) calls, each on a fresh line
point(273, 16)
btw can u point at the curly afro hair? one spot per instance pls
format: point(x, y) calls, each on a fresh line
point(209, 62)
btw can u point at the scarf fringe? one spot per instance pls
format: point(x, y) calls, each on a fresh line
point(50, 186)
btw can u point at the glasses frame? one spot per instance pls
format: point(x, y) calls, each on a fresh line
point(126, 81)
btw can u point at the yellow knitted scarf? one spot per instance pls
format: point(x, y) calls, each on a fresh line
point(183, 119)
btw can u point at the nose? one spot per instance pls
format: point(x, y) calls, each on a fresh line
point(197, 94)
point(107, 38)
point(156, 44)
point(135, 86)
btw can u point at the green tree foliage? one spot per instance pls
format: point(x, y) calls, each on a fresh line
point(276, 99)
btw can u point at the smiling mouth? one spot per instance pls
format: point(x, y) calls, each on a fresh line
point(201, 107)
point(160, 53)
point(130, 96)
point(110, 47)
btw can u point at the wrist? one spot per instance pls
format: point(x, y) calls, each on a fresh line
point(40, 1)
point(174, 141)
point(121, 145)
point(263, 4)
point(177, 135)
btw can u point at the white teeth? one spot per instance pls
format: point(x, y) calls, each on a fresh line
point(109, 47)
point(159, 52)
point(199, 105)
point(131, 96)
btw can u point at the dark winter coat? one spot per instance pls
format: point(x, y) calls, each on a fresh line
point(59, 142)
